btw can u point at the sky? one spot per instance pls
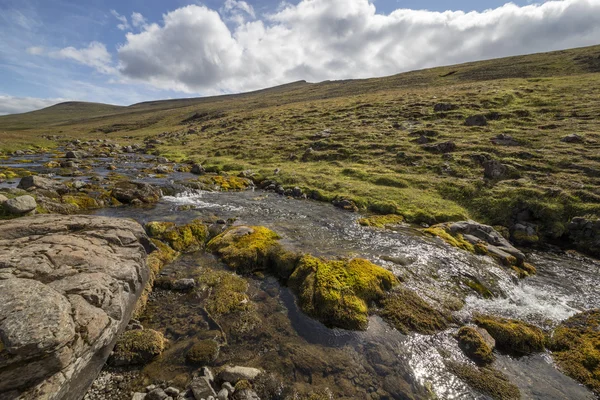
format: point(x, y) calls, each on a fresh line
point(128, 51)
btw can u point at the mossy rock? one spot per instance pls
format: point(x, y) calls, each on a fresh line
point(513, 335)
point(246, 248)
point(381, 221)
point(575, 346)
point(407, 312)
point(226, 183)
point(203, 353)
point(479, 287)
point(185, 238)
point(338, 292)
point(137, 347)
point(486, 381)
point(472, 343)
point(453, 240)
point(82, 202)
point(227, 294)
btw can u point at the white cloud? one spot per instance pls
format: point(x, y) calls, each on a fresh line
point(14, 105)
point(138, 20)
point(193, 50)
point(95, 55)
point(237, 11)
point(123, 25)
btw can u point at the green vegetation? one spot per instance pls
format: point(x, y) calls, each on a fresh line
point(575, 346)
point(246, 249)
point(485, 380)
point(474, 345)
point(138, 347)
point(338, 292)
point(356, 139)
point(453, 240)
point(381, 221)
point(227, 292)
point(225, 183)
point(203, 353)
point(186, 238)
point(513, 335)
point(406, 311)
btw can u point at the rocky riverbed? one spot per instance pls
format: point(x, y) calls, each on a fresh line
point(240, 293)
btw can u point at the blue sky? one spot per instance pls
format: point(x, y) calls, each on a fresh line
point(127, 51)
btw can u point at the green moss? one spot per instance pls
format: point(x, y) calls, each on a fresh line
point(575, 346)
point(227, 292)
point(226, 183)
point(338, 292)
point(485, 380)
point(243, 385)
point(246, 248)
point(524, 238)
point(185, 238)
point(513, 335)
point(407, 312)
point(381, 221)
point(478, 287)
point(474, 346)
point(82, 201)
point(203, 353)
point(454, 240)
point(138, 347)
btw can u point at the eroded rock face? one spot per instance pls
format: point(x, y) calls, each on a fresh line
point(68, 286)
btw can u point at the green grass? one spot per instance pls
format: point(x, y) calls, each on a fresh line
point(354, 139)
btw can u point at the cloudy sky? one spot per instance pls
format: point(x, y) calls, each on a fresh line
point(127, 51)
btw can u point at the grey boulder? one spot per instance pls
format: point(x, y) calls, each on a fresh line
point(20, 205)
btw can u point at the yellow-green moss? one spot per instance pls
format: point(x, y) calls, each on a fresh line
point(226, 183)
point(513, 335)
point(242, 385)
point(474, 346)
point(203, 353)
point(381, 221)
point(227, 292)
point(523, 237)
point(453, 240)
point(575, 346)
point(82, 201)
point(338, 292)
point(138, 347)
point(189, 237)
point(480, 288)
point(245, 248)
point(406, 311)
point(485, 380)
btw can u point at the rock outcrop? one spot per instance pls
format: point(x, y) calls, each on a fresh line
point(68, 286)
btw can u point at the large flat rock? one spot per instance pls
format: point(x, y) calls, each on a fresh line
point(68, 286)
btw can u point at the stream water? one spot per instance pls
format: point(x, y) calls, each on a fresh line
point(382, 357)
point(380, 362)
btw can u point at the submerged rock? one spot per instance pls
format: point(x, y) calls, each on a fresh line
point(68, 286)
point(237, 373)
point(203, 353)
point(485, 380)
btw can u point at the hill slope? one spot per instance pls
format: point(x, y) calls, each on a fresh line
point(381, 142)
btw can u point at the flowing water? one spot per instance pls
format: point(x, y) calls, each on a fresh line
point(380, 362)
point(382, 357)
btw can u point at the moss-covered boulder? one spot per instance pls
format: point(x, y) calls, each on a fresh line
point(575, 346)
point(513, 335)
point(486, 380)
point(224, 183)
point(137, 347)
point(474, 345)
point(227, 292)
point(246, 248)
point(203, 353)
point(184, 238)
point(338, 292)
point(407, 312)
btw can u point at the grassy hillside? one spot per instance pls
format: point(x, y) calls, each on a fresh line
point(364, 139)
